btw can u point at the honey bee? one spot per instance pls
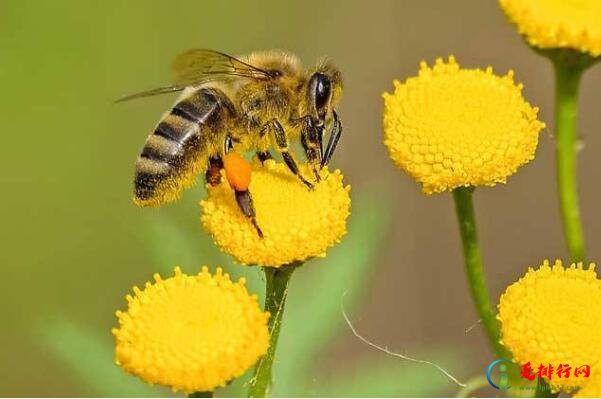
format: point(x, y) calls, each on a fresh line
point(232, 105)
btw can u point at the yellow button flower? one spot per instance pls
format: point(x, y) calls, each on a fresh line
point(592, 389)
point(451, 127)
point(574, 24)
point(551, 316)
point(297, 223)
point(191, 333)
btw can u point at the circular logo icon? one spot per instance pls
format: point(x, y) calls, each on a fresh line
point(503, 376)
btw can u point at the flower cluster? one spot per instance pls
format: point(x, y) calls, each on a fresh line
point(550, 24)
point(590, 390)
point(191, 333)
point(297, 223)
point(451, 127)
point(551, 316)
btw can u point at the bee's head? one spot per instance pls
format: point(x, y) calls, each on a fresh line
point(323, 90)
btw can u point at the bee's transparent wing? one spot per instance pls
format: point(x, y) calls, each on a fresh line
point(198, 66)
point(153, 92)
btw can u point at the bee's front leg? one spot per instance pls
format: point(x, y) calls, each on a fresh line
point(275, 129)
point(335, 134)
point(312, 144)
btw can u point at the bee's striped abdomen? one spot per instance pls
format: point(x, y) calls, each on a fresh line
point(177, 150)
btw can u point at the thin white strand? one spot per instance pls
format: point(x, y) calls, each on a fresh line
point(389, 352)
point(470, 328)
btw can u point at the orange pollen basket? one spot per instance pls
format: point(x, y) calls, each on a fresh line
point(237, 171)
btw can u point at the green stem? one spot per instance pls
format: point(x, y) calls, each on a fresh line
point(207, 394)
point(473, 268)
point(276, 291)
point(471, 386)
point(567, 82)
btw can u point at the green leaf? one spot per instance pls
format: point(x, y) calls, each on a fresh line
point(90, 358)
point(169, 244)
point(313, 313)
point(237, 388)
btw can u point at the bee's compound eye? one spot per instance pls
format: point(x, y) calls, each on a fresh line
point(322, 90)
point(237, 171)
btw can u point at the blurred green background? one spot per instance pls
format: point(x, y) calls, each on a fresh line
point(73, 243)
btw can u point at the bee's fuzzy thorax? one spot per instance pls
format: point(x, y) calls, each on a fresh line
point(279, 60)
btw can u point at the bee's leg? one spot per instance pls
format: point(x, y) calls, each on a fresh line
point(245, 203)
point(333, 141)
point(243, 197)
point(264, 156)
point(311, 144)
point(213, 174)
point(281, 145)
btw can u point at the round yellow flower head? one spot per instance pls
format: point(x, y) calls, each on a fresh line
point(551, 316)
point(574, 24)
point(191, 333)
point(297, 223)
point(451, 127)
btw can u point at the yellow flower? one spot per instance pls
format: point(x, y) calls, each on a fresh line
point(592, 389)
point(297, 223)
point(574, 24)
point(551, 316)
point(191, 333)
point(452, 127)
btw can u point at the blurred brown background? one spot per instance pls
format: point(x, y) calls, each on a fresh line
point(73, 244)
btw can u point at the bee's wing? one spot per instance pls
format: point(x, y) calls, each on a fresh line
point(198, 66)
point(153, 92)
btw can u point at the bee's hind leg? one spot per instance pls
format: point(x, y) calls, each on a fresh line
point(281, 145)
point(245, 203)
point(233, 165)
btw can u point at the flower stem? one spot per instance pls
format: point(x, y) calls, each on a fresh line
point(207, 394)
point(276, 291)
point(472, 385)
point(567, 82)
point(473, 267)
